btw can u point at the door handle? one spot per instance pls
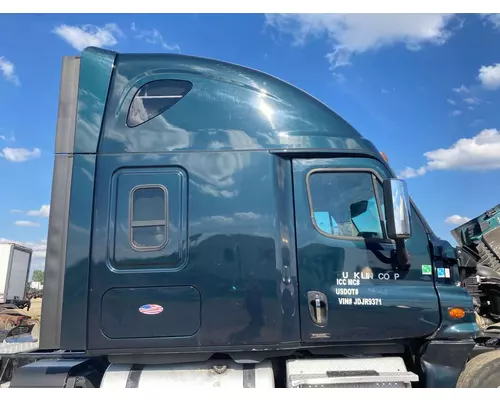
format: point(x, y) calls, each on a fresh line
point(318, 307)
point(318, 311)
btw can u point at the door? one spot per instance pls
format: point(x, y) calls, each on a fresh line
point(351, 288)
point(175, 266)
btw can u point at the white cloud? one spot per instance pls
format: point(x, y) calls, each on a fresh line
point(477, 122)
point(456, 220)
point(357, 33)
point(9, 71)
point(409, 172)
point(39, 250)
point(80, 37)
point(153, 36)
point(44, 211)
point(7, 137)
point(489, 76)
point(456, 113)
point(452, 102)
point(385, 91)
point(27, 223)
point(479, 153)
point(19, 154)
point(247, 215)
point(471, 100)
point(461, 89)
point(493, 19)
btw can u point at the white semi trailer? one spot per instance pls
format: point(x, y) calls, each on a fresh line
point(15, 261)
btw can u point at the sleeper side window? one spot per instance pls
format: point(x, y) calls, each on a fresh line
point(148, 217)
point(344, 204)
point(154, 98)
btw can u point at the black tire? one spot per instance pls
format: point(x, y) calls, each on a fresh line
point(482, 371)
point(487, 258)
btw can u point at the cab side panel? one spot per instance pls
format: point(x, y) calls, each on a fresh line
point(226, 275)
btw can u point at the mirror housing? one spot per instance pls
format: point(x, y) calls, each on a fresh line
point(398, 217)
point(397, 209)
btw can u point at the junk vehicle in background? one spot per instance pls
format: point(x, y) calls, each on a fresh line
point(18, 332)
point(481, 237)
point(479, 241)
point(16, 325)
point(213, 225)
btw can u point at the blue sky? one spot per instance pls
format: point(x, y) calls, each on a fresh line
point(424, 88)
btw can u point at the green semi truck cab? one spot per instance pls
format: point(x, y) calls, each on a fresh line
point(213, 225)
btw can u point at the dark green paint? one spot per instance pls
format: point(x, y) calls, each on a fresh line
point(78, 251)
point(239, 242)
point(122, 256)
point(409, 307)
point(234, 154)
point(96, 67)
point(228, 108)
point(442, 361)
point(180, 315)
point(451, 296)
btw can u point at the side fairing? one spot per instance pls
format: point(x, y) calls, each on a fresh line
point(83, 93)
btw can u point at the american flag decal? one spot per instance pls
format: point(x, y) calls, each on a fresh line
point(150, 309)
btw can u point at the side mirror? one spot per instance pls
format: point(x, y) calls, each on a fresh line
point(397, 209)
point(398, 219)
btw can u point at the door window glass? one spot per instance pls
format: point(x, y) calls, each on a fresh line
point(344, 204)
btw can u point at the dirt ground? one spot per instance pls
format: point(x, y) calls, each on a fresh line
point(36, 313)
point(36, 309)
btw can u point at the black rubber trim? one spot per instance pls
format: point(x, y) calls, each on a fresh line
point(51, 373)
point(134, 376)
point(57, 239)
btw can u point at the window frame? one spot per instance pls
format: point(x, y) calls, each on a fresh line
point(376, 177)
point(149, 223)
point(136, 95)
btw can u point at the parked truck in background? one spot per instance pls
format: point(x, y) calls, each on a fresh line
point(212, 225)
point(36, 285)
point(15, 261)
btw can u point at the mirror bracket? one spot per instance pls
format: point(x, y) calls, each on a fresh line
point(402, 256)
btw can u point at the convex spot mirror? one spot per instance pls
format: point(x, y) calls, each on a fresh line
point(397, 209)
